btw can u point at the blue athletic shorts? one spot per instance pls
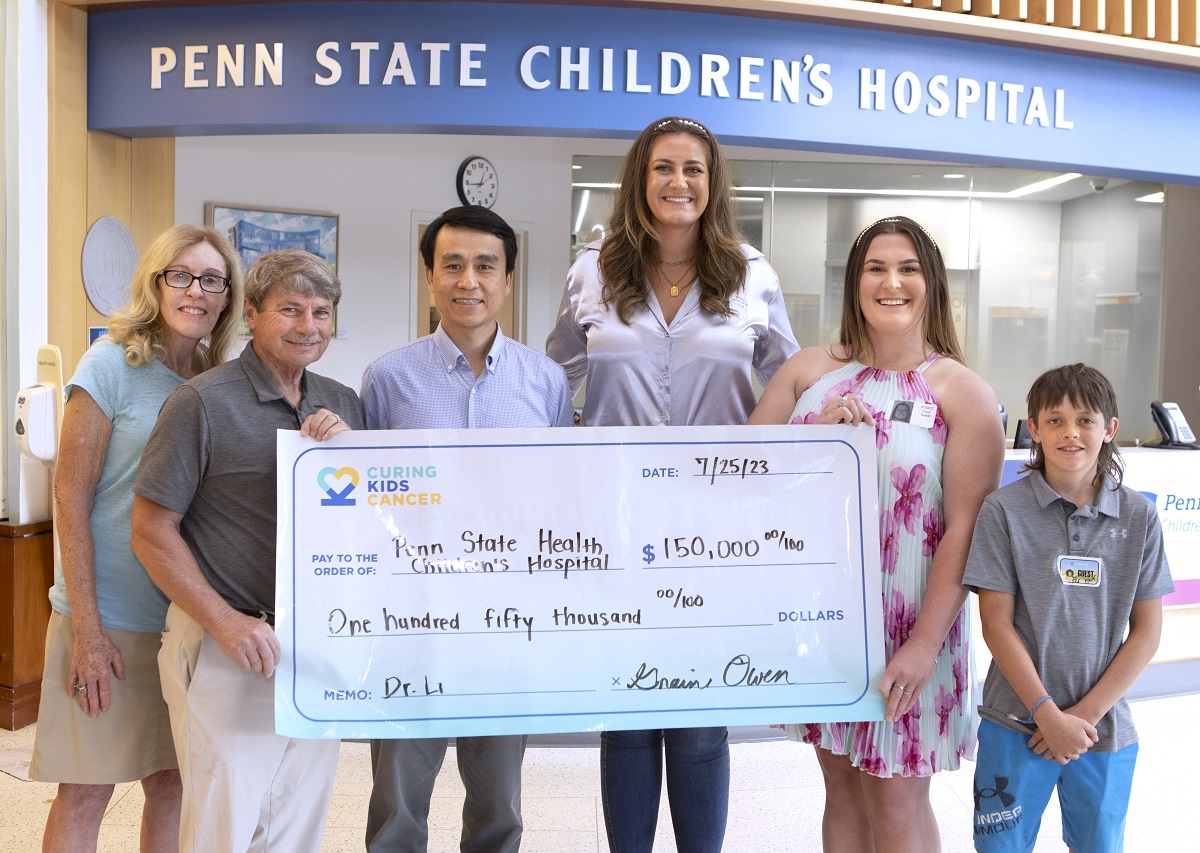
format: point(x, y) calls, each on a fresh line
point(1013, 786)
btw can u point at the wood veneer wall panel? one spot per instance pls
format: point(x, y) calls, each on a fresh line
point(1064, 13)
point(1010, 10)
point(1118, 21)
point(1164, 21)
point(109, 177)
point(152, 190)
point(1038, 11)
point(92, 175)
point(1141, 19)
point(67, 180)
point(1189, 32)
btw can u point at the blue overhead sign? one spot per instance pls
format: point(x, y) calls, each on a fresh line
point(590, 71)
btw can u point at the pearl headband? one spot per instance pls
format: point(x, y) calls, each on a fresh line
point(858, 239)
point(684, 121)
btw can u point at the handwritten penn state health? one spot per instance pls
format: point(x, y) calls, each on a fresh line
point(478, 582)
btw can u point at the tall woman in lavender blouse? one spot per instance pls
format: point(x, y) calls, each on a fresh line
point(666, 320)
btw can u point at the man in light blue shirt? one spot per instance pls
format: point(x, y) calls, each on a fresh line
point(466, 374)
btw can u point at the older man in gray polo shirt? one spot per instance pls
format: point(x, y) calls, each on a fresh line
point(204, 528)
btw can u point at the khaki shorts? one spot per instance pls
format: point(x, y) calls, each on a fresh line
point(130, 741)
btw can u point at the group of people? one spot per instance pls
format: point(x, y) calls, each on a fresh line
point(161, 648)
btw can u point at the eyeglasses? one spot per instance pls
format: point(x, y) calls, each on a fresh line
point(182, 279)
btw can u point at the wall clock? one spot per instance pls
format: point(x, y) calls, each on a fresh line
point(477, 182)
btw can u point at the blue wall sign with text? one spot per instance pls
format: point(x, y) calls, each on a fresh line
point(493, 68)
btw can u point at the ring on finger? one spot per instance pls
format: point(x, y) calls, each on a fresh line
point(80, 688)
point(901, 686)
point(337, 419)
point(907, 692)
point(841, 402)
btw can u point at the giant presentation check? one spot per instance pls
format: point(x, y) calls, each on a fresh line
point(481, 582)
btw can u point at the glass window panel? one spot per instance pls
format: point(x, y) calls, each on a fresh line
point(1044, 268)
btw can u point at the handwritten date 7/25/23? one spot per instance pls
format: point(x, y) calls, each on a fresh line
point(713, 467)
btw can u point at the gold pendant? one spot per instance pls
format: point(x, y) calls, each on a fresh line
point(674, 290)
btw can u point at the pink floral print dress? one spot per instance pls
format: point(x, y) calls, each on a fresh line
point(940, 728)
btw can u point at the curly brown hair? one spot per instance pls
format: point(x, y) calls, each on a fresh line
point(632, 245)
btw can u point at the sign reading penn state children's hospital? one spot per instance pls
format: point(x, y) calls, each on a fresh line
point(595, 71)
point(481, 582)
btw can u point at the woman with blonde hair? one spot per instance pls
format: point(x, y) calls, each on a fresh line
point(102, 718)
point(668, 320)
point(897, 369)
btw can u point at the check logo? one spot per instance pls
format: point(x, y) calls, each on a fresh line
point(329, 480)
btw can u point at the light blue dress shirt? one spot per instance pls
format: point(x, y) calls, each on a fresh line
point(428, 384)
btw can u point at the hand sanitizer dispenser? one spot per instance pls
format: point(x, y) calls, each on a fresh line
point(36, 421)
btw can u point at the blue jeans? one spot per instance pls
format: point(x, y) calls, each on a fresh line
point(631, 769)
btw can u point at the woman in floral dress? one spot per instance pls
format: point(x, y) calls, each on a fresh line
point(897, 351)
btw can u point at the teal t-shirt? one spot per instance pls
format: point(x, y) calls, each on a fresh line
point(131, 399)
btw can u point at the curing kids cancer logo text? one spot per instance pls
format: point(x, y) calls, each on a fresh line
point(337, 484)
point(386, 485)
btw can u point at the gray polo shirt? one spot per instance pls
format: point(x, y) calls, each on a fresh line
point(211, 456)
point(1072, 633)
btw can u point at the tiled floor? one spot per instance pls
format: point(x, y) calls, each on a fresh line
point(775, 799)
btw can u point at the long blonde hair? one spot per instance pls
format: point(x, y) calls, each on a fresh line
point(632, 245)
point(139, 325)
point(939, 322)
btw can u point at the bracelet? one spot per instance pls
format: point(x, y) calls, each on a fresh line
point(926, 648)
point(1029, 720)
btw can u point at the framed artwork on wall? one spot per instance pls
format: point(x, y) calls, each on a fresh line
point(254, 231)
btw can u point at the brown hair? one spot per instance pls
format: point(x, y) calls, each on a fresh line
point(139, 325)
point(632, 245)
point(1086, 388)
point(939, 323)
point(295, 271)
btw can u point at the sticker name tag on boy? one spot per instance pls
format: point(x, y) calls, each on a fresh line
point(915, 412)
point(1079, 571)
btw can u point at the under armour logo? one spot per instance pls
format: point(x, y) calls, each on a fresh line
point(1114, 533)
point(1001, 782)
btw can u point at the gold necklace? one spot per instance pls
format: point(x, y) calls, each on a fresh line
point(675, 284)
point(676, 263)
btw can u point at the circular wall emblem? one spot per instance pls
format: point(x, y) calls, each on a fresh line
point(109, 258)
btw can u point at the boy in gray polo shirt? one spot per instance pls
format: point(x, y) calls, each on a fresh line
point(1064, 560)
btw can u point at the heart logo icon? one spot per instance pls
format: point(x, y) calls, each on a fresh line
point(337, 483)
